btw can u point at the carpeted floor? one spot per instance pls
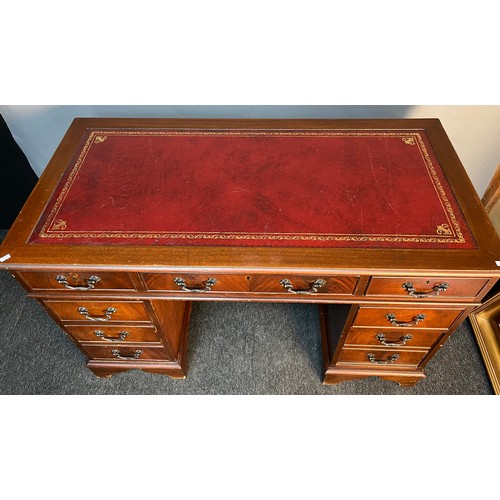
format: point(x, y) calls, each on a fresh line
point(234, 348)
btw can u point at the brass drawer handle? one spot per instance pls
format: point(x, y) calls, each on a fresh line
point(388, 361)
point(402, 340)
point(116, 354)
point(393, 321)
point(436, 290)
point(107, 314)
point(120, 338)
point(91, 281)
point(208, 284)
point(313, 287)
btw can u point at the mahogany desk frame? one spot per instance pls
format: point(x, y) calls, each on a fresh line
point(363, 286)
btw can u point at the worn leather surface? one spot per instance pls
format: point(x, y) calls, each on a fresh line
point(255, 188)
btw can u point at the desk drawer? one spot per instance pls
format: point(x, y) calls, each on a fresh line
point(132, 354)
point(405, 317)
point(114, 334)
point(196, 283)
point(301, 284)
point(79, 281)
point(393, 337)
point(248, 283)
point(381, 358)
point(98, 311)
point(426, 288)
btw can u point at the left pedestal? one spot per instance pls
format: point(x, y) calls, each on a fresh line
point(158, 349)
point(112, 326)
point(119, 335)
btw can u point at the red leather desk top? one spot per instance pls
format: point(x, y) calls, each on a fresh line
point(288, 188)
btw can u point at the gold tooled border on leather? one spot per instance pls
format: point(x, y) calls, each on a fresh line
point(447, 232)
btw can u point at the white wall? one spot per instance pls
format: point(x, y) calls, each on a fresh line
point(475, 134)
point(473, 130)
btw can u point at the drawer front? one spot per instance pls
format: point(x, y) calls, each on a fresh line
point(381, 358)
point(426, 288)
point(114, 334)
point(231, 283)
point(407, 318)
point(300, 284)
point(79, 281)
point(196, 283)
point(393, 337)
point(132, 354)
point(98, 311)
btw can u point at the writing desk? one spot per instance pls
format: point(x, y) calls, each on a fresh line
point(374, 220)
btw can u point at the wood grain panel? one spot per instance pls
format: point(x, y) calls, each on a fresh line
point(381, 357)
point(105, 352)
point(173, 317)
point(224, 282)
point(135, 333)
point(434, 318)
point(125, 310)
point(334, 285)
point(458, 287)
point(368, 336)
point(106, 281)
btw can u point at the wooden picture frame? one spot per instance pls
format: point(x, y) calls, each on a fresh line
point(485, 320)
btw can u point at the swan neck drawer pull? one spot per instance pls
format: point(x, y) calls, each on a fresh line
point(402, 340)
point(415, 320)
point(107, 314)
point(388, 361)
point(122, 336)
point(436, 290)
point(116, 354)
point(208, 284)
point(313, 287)
point(91, 281)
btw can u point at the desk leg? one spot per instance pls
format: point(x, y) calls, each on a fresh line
point(335, 375)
